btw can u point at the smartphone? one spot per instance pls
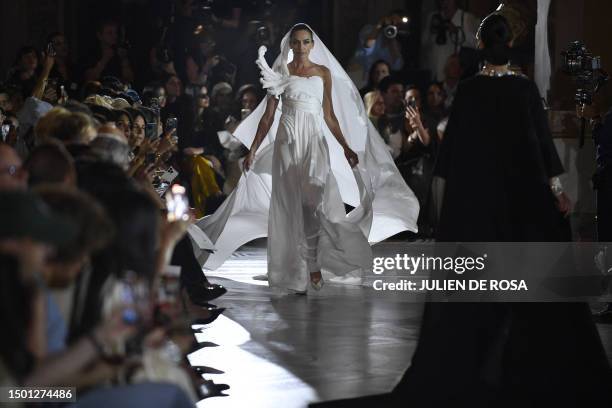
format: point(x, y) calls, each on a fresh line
point(5, 131)
point(412, 103)
point(171, 124)
point(154, 104)
point(129, 315)
point(51, 50)
point(151, 131)
point(177, 204)
point(244, 113)
point(169, 175)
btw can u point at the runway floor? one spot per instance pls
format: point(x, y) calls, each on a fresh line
point(288, 351)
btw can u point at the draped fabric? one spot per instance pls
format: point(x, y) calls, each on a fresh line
point(542, 53)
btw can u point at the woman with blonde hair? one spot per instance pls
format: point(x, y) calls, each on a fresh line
point(375, 107)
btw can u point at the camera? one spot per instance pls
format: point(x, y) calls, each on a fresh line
point(399, 28)
point(390, 31)
point(586, 69)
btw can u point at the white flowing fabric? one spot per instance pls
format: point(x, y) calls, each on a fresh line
point(542, 54)
point(295, 190)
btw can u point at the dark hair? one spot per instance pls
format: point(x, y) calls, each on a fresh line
point(300, 27)
point(117, 113)
point(149, 116)
point(75, 106)
point(15, 317)
point(495, 34)
point(95, 228)
point(25, 50)
point(90, 88)
point(410, 87)
point(52, 35)
point(134, 113)
point(373, 68)
point(101, 113)
point(386, 82)
point(49, 163)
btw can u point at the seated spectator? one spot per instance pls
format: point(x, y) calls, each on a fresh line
point(90, 88)
point(379, 70)
point(123, 122)
point(392, 91)
point(137, 133)
point(28, 230)
point(63, 71)
point(157, 91)
point(418, 157)
point(374, 45)
point(445, 32)
point(180, 106)
point(25, 71)
point(453, 72)
point(110, 58)
point(375, 108)
point(435, 107)
point(111, 146)
point(69, 128)
point(50, 163)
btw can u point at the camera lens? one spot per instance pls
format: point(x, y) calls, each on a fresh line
point(390, 31)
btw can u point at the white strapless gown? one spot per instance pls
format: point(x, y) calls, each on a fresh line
point(291, 195)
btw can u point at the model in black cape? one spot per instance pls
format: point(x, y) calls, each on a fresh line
point(497, 159)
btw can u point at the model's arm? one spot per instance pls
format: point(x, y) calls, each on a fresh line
point(265, 123)
point(332, 121)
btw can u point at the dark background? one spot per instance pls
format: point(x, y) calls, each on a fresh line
point(336, 21)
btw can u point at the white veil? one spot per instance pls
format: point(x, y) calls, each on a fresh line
point(385, 204)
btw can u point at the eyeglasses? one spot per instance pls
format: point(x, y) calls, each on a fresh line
point(11, 170)
point(138, 129)
point(203, 96)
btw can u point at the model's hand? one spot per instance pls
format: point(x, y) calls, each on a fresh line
point(351, 156)
point(248, 161)
point(564, 204)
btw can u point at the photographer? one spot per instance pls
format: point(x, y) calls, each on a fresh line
point(375, 45)
point(445, 33)
point(112, 56)
point(601, 126)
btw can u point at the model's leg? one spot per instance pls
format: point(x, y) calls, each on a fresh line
point(311, 199)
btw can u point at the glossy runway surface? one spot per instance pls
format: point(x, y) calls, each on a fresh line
point(287, 351)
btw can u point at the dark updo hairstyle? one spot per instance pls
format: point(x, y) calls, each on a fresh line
point(495, 34)
point(300, 27)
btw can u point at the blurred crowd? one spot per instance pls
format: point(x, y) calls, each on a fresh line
point(100, 286)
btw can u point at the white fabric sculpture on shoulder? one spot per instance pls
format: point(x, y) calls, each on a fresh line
point(384, 205)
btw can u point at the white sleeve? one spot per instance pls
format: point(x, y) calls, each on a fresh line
point(272, 81)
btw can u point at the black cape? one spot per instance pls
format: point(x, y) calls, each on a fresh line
point(497, 157)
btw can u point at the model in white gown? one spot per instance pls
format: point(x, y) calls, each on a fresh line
point(295, 190)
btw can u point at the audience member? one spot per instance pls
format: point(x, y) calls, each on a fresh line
point(446, 31)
